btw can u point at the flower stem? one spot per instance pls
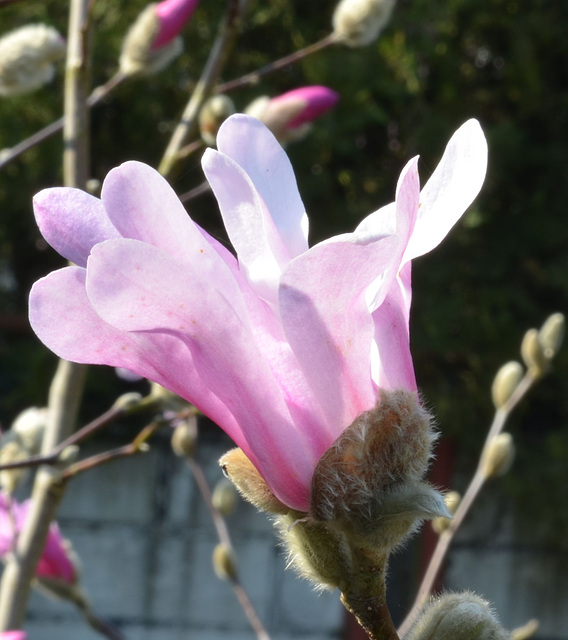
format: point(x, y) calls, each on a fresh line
point(218, 56)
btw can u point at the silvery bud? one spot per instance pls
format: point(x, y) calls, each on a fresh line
point(498, 455)
point(27, 58)
point(458, 616)
point(551, 334)
point(526, 631)
point(505, 383)
point(533, 353)
point(359, 22)
point(212, 115)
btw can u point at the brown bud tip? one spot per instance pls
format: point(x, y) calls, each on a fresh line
point(250, 484)
point(224, 562)
point(184, 438)
point(370, 479)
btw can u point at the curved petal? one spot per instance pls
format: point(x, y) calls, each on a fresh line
point(255, 149)
point(451, 188)
point(142, 205)
point(327, 322)
point(126, 285)
point(72, 221)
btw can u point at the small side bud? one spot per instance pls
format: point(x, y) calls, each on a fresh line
point(505, 383)
point(224, 497)
point(551, 334)
point(249, 483)
point(498, 455)
point(27, 58)
point(533, 353)
point(212, 115)
point(224, 562)
point(526, 631)
point(184, 438)
point(452, 500)
point(459, 616)
point(359, 22)
point(128, 401)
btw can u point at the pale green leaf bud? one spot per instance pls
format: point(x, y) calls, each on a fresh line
point(225, 497)
point(452, 500)
point(505, 382)
point(184, 438)
point(359, 22)
point(128, 401)
point(551, 334)
point(457, 616)
point(498, 455)
point(224, 562)
point(526, 631)
point(533, 353)
point(212, 115)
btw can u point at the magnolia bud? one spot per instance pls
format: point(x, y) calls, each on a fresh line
point(505, 383)
point(250, 484)
point(289, 115)
point(27, 57)
point(128, 401)
point(30, 426)
point(359, 22)
point(551, 334)
point(452, 500)
point(498, 455)
point(369, 482)
point(457, 616)
point(224, 497)
point(212, 115)
point(184, 438)
point(533, 353)
point(224, 562)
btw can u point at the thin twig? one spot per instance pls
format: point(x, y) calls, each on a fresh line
point(225, 539)
point(218, 56)
point(201, 189)
point(477, 483)
point(254, 77)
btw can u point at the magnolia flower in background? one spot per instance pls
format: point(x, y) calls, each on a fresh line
point(27, 58)
point(359, 22)
point(57, 563)
point(13, 635)
point(289, 115)
point(152, 41)
point(283, 346)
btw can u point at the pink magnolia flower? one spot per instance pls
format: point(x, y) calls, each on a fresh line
point(283, 346)
point(289, 115)
point(13, 635)
point(55, 562)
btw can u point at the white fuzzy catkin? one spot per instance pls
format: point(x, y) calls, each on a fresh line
point(27, 57)
point(359, 22)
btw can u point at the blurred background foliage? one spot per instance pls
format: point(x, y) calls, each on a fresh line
point(503, 269)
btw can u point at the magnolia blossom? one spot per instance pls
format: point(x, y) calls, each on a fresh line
point(289, 115)
point(13, 635)
point(152, 41)
point(284, 345)
point(55, 562)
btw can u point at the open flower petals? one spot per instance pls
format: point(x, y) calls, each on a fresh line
point(72, 221)
point(451, 188)
point(330, 328)
point(126, 286)
point(142, 205)
point(255, 149)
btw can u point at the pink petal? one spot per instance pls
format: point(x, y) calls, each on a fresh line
point(451, 188)
point(173, 14)
point(72, 221)
point(253, 147)
point(62, 316)
point(327, 322)
point(316, 101)
point(142, 205)
point(126, 284)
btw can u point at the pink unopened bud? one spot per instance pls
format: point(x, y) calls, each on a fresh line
point(288, 115)
point(56, 561)
point(172, 14)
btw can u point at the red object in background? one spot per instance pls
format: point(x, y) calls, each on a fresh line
point(440, 476)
